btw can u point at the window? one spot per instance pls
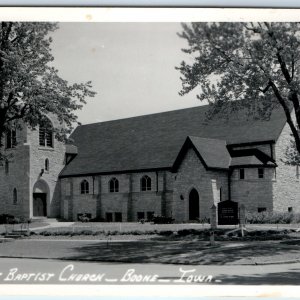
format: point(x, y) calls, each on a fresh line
point(109, 217)
point(140, 215)
point(261, 209)
point(150, 215)
point(297, 172)
point(118, 217)
point(11, 138)
point(145, 183)
point(242, 173)
point(6, 167)
point(261, 173)
point(290, 209)
point(47, 165)
point(15, 196)
point(46, 133)
point(84, 187)
point(114, 185)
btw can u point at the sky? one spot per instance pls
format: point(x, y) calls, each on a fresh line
point(131, 66)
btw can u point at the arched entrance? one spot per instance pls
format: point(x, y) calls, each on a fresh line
point(193, 205)
point(40, 196)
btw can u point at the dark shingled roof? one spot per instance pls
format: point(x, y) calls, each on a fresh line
point(154, 141)
point(250, 161)
point(212, 152)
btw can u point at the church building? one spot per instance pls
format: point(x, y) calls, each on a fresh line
point(176, 164)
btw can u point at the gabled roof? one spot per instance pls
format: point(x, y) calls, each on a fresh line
point(153, 141)
point(212, 152)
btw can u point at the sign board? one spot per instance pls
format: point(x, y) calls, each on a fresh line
point(228, 213)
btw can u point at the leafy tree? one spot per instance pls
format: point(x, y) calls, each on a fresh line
point(255, 63)
point(30, 87)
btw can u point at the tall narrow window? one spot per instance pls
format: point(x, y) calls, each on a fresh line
point(84, 187)
point(146, 183)
point(261, 173)
point(114, 185)
point(15, 196)
point(242, 173)
point(6, 167)
point(46, 133)
point(47, 165)
point(297, 172)
point(11, 138)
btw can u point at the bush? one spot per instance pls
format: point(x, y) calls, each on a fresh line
point(162, 220)
point(272, 218)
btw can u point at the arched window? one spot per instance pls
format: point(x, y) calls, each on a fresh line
point(15, 196)
point(6, 167)
point(47, 165)
point(114, 185)
point(84, 187)
point(46, 133)
point(11, 138)
point(146, 183)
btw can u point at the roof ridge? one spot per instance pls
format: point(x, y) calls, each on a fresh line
point(146, 115)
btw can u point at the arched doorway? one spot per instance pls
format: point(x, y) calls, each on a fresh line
point(193, 205)
point(39, 198)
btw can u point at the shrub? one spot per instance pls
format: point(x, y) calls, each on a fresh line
point(272, 218)
point(162, 220)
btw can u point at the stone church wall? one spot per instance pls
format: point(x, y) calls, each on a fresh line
point(192, 174)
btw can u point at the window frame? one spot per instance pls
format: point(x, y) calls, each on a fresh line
point(113, 185)
point(146, 183)
point(84, 187)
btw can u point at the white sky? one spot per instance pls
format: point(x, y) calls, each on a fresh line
point(131, 66)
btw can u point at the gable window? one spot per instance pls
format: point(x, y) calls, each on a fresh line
point(47, 165)
point(46, 133)
point(114, 185)
point(242, 173)
point(11, 138)
point(84, 187)
point(261, 173)
point(15, 196)
point(146, 183)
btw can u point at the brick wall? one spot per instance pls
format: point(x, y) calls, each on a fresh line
point(286, 186)
point(129, 200)
point(252, 191)
point(192, 174)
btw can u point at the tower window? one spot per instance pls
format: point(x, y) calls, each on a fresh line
point(6, 167)
point(15, 196)
point(47, 165)
point(46, 133)
point(146, 183)
point(242, 173)
point(11, 138)
point(84, 187)
point(261, 173)
point(114, 185)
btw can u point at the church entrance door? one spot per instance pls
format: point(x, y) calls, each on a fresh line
point(39, 204)
point(193, 205)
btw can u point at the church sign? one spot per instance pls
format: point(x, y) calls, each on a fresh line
point(228, 213)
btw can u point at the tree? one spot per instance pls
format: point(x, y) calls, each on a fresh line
point(255, 63)
point(30, 87)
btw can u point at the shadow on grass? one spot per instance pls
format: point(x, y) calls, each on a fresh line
point(279, 278)
point(182, 252)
